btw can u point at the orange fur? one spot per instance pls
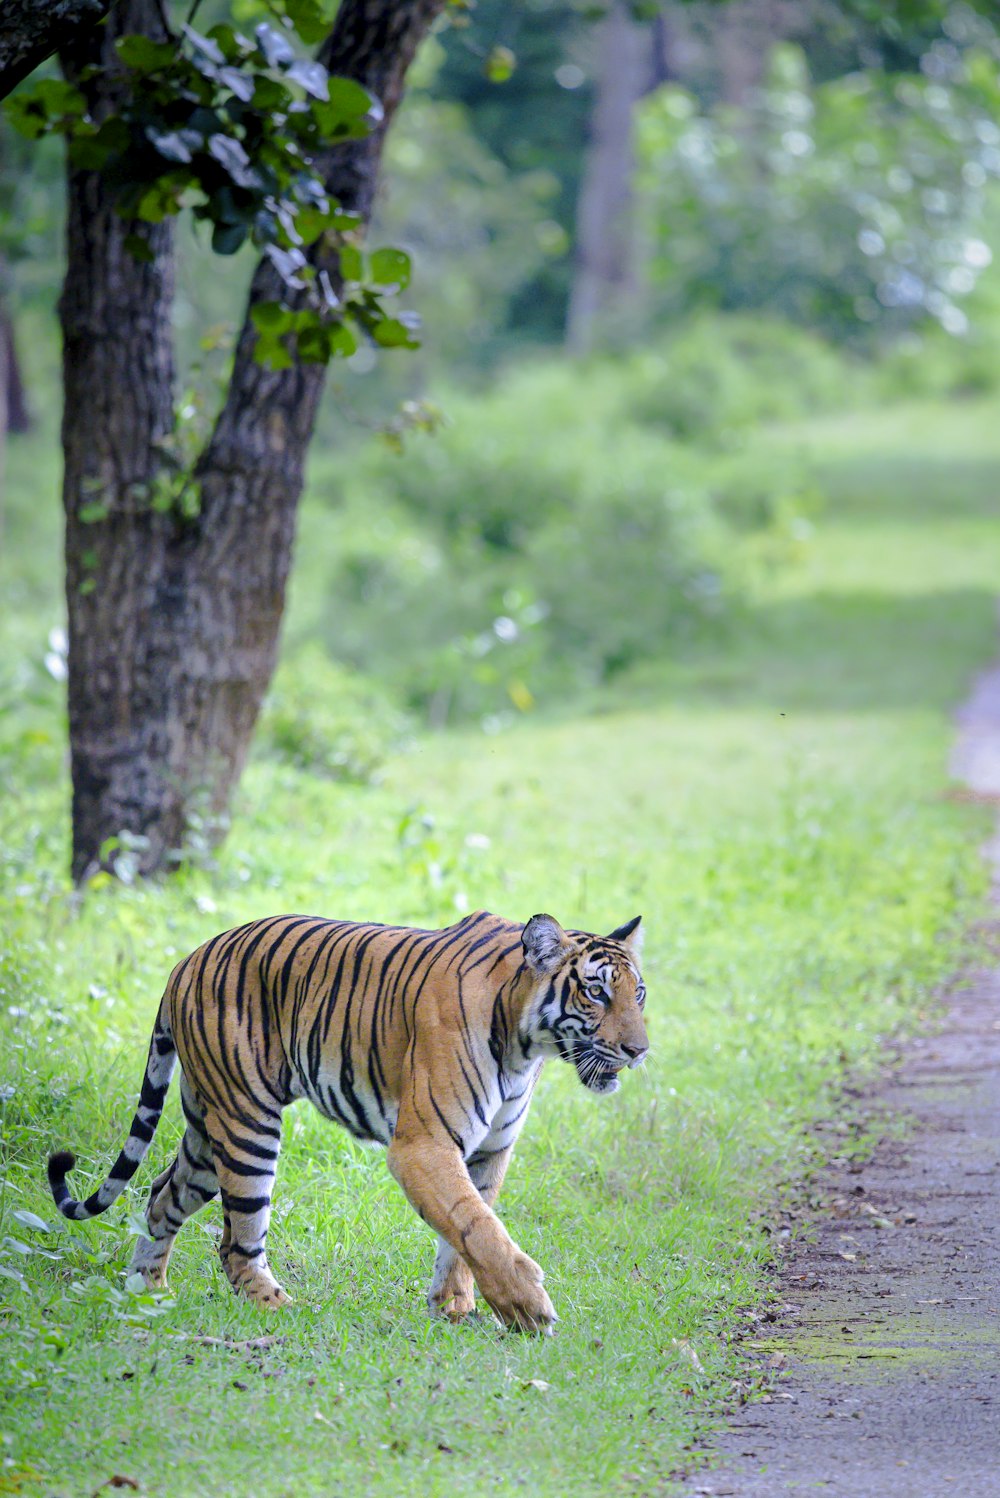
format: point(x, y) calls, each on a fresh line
point(429, 1042)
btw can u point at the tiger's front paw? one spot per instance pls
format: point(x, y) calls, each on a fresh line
point(455, 1296)
point(518, 1298)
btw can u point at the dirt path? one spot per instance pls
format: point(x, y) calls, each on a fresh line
point(886, 1353)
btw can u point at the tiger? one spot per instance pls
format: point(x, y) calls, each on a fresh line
point(427, 1042)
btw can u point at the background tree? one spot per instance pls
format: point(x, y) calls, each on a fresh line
point(176, 563)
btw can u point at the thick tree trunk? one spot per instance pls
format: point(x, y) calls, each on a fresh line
point(31, 30)
point(171, 652)
point(118, 392)
point(604, 277)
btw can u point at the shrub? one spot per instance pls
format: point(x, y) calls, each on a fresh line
point(321, 716)
point(557, 529)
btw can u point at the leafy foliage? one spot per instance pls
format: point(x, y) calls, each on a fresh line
point(325, 718)
point(850, 205)
point(237, 128)
point(571, 521)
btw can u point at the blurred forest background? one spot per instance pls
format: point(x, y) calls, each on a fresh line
point(638, 233)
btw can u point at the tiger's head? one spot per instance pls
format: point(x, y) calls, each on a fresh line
point(588, 999)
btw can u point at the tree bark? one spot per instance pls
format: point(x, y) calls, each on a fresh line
point(18, 410)
point(31, 30)
point(172, 650)
point(604, 277)
point(118, 378)
point(3, 424)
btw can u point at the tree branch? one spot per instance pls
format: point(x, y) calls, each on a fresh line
point(32, 30)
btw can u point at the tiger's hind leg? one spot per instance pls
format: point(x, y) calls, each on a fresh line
point(452, 1290)
point(246, 1160)
point(176, 1194)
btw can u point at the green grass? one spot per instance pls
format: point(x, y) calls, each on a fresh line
point(774, 804)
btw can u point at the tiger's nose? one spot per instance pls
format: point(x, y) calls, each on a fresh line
point(635, 1053)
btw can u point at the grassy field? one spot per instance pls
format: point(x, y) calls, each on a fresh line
point(776, 806)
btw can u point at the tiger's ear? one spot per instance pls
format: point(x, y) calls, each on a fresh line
point(545, 943)
point(631, 936)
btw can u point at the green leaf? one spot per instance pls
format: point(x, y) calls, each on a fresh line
point(30, 1220)
point(175, 145)
point(270, 96)
point(60, 97)
point(227, 238)
point(232, 157)
point(313, 344)
point(344, 218)
point(139, 248)
point(28, 118)
point(287, 263)
point(92, 512)
point(312, 76)
point(277, 51)
point(227, 41)
point(391, 333)
point(271, 317)
point(351, 263)
point(271, 351)
point(308, 19)
point(311, 222)
point(348, 108)
point(91, 152)
point(390, 267)
point(50, 105)
point(239, 83)
point(500, 64)
point(162, 198)
point(343, 342)
point(205, 46)
point(352, 99)
point(143, 54)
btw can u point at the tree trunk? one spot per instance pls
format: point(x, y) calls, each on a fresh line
point(172, 650)
point(118, 391)
point(604, 278)
point(3, 424)
point(18, 411)
point(32, 30)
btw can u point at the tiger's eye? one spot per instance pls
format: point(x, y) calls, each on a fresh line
point(596, 991)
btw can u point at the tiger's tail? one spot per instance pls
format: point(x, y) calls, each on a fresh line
point(159, 1070)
